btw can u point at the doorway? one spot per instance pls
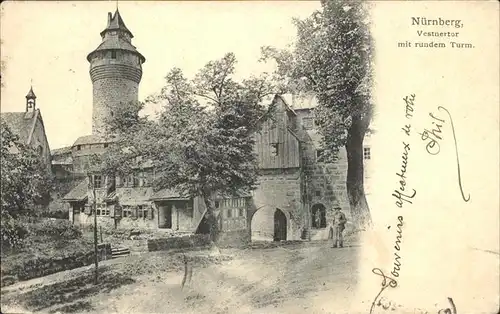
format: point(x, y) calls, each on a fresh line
point(279, 225)
point(165, 216)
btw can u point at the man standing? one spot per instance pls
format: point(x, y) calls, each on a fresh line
point(339, 221)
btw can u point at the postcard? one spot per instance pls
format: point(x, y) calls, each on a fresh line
point(250, 157)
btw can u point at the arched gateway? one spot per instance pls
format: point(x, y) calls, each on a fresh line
point(280, 227)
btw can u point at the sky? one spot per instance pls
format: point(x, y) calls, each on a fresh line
point(46, 43)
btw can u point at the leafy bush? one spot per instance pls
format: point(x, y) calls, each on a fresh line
point(12, 231)
point(55, 228)
point(58, 214)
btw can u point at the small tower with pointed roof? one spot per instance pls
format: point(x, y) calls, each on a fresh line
point(115, 71)
point(30, 101)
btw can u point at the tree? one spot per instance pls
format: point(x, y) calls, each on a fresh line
point(202, 141)
point(332, 58)
point(25, 183)
point(25, 179)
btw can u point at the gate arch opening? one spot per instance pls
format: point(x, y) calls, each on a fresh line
point(318, 215)
point(280, 225)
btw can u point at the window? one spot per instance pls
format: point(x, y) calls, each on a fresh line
point(229, 213)
point(105, 145)
point(142, 211)
point(97, 181)
point(274, 149)
point(102, 210)
point(127, 211)
point(318, 193)
point(319, 155)
point(241, 212)
point(113, 54)
point(316, 122)
point(217, 204)
point(78, 147)
point(128, 181)
point(366, 153)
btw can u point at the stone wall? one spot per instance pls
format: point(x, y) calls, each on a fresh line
point(237, 238)
point(107, 222)
point(39, 267)
point(185, 242)
point(325, 182)
point(108, 94)
point(277, 189)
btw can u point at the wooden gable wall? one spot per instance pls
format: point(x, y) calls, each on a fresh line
point(275, 131)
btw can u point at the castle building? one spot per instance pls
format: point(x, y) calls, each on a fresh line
point(295, 196)
point(28, 125)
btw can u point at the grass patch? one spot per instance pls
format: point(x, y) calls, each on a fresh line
point(71, 296)
point(48, 241)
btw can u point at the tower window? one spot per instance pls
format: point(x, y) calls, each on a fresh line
point(113, 54)
point(366, 153)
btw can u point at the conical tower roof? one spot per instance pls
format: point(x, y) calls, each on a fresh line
point(115, 22)
point(31, 94)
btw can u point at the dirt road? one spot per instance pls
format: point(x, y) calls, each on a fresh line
point(300, 278)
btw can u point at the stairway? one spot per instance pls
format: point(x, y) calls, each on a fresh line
point(119, 252)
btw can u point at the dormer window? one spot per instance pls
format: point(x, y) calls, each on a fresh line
point(113, 54)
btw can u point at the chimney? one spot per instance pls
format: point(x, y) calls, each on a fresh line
point(109, 18)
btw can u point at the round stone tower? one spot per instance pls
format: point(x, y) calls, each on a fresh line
point(115, 70)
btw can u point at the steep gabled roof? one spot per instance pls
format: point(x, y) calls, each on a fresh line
point(61, 151)
point(19, 124)
point(90, 139)
point(300, 102)
point(287, 105)
point(78, 193)
point(23, 123)
point(167, 194)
